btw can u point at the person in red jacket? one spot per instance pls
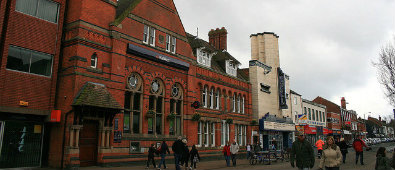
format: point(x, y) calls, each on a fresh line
point(358, 145)
point(226, 152)
point(319, 144)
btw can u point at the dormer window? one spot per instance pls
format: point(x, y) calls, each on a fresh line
point(203, 57)
point(231, 68)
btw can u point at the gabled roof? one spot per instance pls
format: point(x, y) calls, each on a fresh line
point(218, 60)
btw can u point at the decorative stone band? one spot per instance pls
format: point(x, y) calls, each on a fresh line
point(260, 64)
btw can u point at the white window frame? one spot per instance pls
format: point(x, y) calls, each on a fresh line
point(94, 60)
point(146, 34)
point(224, 133)
point(212, 98)
point(168, 37)
point(217, 99)
point(206, 134)
point(173, 45)
point(204, 97)
point(243, 104)
point(200, 134)
point(234, 102)
point(151, 35)
point(213, 134)
point(238, 104)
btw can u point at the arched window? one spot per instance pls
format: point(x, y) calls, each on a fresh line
point(204, 97)
point(243, 105)
point(238, 104)
point(217, 99)
point(133, 101)
point(156, 105)
point(94, 60)
point(212, 98)
point(176, 107)
point(234, 102)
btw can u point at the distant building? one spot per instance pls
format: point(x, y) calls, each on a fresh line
point(315, 127)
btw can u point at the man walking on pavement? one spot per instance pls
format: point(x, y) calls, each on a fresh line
point(302, 152)
point(319, 144)
point(234, 149)
point(162, 151)
point(178, 148)
point(358, 145)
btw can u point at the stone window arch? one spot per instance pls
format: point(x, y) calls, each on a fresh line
point(132, 121)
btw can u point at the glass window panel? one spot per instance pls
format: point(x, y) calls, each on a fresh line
point(126, 122)
point(136, 101)
point(150, 126)
point(48, 10)
point(127, 100)
point(136, 122)
point(171, 127)
point(145, 37)
point(158, 124)
point(159, 105)
point(27, 6)
point(172, 101)
point(18, 59)
point(41, 64)
point(178, 125)
point(151, 102)
point(179, 107)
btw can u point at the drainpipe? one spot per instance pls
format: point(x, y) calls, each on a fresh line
point(64, 137)
point(5, 27)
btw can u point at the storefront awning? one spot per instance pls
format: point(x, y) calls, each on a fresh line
point(95, 95)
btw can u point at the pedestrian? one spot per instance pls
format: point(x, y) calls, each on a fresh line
point(382, 162)
point(194, 157)
point(162, 152)
point(331, 156)
point(343, 149)
point(319, 144)
point(226, 152)
point(302, 152)
point(257, 148)
point(358, 145)
point(185, 155)
point(248, 148)
point(234, 149)
point(151, 155)
point(177, 148)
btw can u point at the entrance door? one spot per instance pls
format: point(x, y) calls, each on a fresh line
point(88, 143)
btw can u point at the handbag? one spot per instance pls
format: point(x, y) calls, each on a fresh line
point(195, 158)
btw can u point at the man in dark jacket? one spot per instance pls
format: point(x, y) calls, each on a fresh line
point(178, 149)
point(162, 151)
point(343, 148)
point(358, 145)
point(302, 152)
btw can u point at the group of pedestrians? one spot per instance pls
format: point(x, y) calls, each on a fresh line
point(182, 154)
point(332, 154)
point(230, 152)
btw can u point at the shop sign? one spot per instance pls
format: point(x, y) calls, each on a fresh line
point(154, 56)
point(299, 128)
point(278, 126)
point(346, 132)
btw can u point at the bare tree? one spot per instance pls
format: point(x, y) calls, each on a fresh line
point(386, 70)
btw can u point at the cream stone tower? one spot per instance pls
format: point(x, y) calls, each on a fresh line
point(264, 76)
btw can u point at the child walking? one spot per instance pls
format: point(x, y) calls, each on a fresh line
point(151, 155)
point(194, 154)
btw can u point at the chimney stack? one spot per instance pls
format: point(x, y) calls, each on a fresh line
point(343, 103)
point(380, 118)
point(218, 38)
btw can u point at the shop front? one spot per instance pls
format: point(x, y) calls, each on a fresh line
point(276, 135)
point(21, 139)
point(311, 133)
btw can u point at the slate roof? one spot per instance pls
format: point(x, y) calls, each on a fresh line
point(218, 60)
point(96, 95)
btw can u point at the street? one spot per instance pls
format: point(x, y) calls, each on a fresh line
point(369, 160)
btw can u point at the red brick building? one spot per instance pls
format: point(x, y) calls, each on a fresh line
point(31, 32)
point(129, 77)
point(333, 116)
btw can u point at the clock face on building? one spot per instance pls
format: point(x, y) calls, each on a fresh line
point(155, 86)
point(133, 81)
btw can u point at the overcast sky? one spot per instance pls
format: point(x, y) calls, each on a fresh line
point(326, 47)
